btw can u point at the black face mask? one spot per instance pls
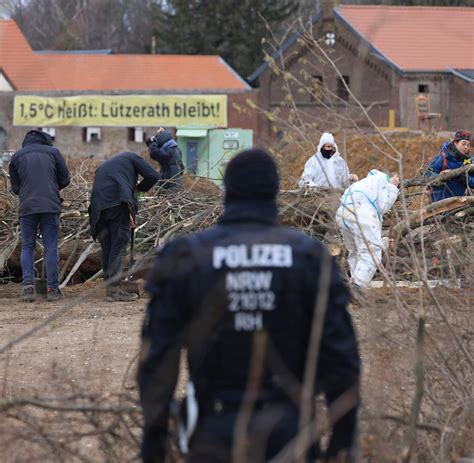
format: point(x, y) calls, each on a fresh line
point(327, 153)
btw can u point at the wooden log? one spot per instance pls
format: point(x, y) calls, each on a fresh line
point(456, 203)
point(78, 263)
point(71, 214)
point(440, 178)
point(8, 250)
point(91, 265)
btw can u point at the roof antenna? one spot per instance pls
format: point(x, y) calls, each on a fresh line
point(153, 45)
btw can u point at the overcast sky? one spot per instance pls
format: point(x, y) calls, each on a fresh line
point(4, 8)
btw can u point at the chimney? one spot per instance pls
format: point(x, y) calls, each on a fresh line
point(328, 6)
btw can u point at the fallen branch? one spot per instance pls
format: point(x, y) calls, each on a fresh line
point(81, 259)
point(55, 405)
point(7, 251)
point(401, 420)
point(454, 204)
point(440, 178)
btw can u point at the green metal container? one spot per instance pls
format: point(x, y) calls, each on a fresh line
point(206, 152)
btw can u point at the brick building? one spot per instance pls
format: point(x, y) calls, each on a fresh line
point(386, 55)
point(49, 79)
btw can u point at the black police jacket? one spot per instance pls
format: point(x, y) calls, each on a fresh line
point(115, 182)
point(37, 173)
point(212, 291)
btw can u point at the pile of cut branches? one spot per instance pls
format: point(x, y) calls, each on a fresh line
point(163, 214)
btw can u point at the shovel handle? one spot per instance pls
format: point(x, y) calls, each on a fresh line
point(132, 247)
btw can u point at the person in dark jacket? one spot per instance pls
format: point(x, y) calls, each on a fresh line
point(247, 297)
point(453, 155)
point(165, 150)
point(112, 212)
point(37, 173)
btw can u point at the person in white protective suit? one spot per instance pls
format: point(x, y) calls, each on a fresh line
point(326, 168)
point(359, 218)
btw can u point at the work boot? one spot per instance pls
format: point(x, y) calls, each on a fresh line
point(117, 294)
point(54, 294)
point(28, 294)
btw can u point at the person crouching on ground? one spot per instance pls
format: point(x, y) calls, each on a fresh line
point(164, 149)
point(453, 155)
point(359, 218)
point(326, 169)
point(37, 173)
point(112, 213)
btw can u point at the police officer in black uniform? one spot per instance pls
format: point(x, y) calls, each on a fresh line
point(247, 297)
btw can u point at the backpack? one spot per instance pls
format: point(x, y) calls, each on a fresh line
point(445, 161)
point(444, 166)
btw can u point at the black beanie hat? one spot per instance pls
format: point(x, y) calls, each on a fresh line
point(252, 174)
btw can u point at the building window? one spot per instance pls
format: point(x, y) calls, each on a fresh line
point(342, 91)
point(51, 131)
point(231, 145)
point(91, 134)
point(192, 156)
point(136, 134)
point(423, 88)
point(330, 39)
point(316, 87)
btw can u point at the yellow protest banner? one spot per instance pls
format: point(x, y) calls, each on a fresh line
point(121, 110)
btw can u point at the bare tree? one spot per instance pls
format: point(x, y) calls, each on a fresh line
point(123, 26)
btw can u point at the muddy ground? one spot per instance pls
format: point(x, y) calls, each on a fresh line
point(92, 342)
point(90, 350)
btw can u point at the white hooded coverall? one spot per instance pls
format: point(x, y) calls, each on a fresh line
point(359, 219)
point(320, 172)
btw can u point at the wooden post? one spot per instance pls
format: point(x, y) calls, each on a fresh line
point(391, 118)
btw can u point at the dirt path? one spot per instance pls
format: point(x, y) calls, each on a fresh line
point(92, 347)
point(93, 343)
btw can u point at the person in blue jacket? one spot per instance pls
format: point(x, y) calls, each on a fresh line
point(164, 149)
point(242, 285)
point(453, 155)
point(38, 172)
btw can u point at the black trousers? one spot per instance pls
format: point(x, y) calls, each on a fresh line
point(113, 233)
point(269, 430)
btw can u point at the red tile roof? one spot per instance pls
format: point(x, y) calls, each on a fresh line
point(24, 69)
point(186, 73)
point(416, 38)
point(142, 72)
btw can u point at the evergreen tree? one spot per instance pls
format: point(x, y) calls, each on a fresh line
point(232, 29)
